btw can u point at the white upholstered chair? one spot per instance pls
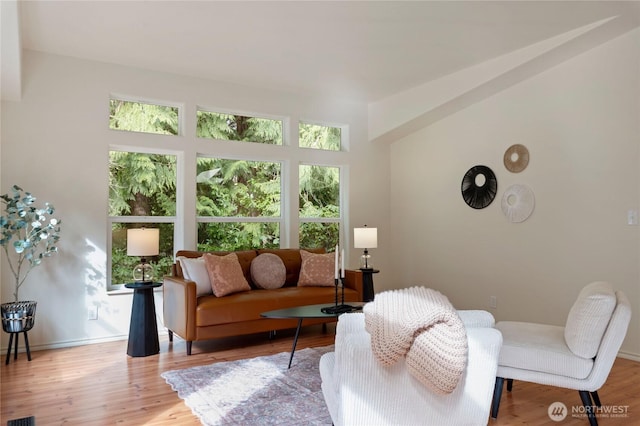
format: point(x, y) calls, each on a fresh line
point(360, 391)
point(577, 356)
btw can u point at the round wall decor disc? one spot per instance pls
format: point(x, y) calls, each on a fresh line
point(479, 187)
point(517, 203)
point(516, 158)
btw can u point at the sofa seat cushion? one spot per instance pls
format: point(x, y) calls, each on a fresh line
point(540, 347)
point(248, 305)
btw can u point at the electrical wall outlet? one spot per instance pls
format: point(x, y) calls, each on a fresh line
point(493, 302)
point(92, 313)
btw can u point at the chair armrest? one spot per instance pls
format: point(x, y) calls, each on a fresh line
point(477, 318)
point(179, 306)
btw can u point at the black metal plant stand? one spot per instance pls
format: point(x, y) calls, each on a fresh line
point(18, 317)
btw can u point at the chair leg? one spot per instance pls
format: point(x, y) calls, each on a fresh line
point(170, 335)
point(509, 385)
point(585, 396)
point(497, 393)
point(596, 399)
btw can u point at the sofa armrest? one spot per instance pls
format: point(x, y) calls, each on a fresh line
point(179, 306)
point(353, 279)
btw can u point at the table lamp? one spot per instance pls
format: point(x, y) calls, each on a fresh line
point(365, 238)
point(143, 242)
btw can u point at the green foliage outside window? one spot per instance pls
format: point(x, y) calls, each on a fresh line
point(141, 117)
point(229, 236)
point(230, 127)
point(319, 198)
point(320, 137)
point(237, 188)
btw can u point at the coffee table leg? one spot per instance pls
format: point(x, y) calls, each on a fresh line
point(295, 341)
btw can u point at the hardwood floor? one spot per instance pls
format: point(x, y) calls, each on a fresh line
point(100, 385)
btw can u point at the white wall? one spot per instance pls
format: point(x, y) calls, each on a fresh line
point(55, 143)
point(580, 121)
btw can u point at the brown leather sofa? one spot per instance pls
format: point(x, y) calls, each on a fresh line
point(208, 317)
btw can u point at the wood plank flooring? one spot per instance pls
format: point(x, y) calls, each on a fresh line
point(100, 385)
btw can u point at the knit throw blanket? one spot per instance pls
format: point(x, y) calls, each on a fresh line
point(421, 325)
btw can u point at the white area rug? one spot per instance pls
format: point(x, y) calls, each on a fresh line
point(256, 391)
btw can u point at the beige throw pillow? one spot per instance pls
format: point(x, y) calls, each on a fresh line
point(225, 274)
point(317, 269)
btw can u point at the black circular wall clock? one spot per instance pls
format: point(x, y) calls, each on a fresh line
point(479, 187)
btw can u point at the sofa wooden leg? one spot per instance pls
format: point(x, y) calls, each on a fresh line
point(509, 385)
point(585, 396)
point(170, 335)
point(189, 344)
point(497, 393)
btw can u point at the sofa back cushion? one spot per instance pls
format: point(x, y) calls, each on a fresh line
point(588, 318)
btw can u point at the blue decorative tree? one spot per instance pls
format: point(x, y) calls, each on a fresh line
point(30, 231)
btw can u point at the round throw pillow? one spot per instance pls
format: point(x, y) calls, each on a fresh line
point(268, 271)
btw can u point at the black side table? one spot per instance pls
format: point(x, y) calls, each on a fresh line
point(143, 329)
point(367, 283)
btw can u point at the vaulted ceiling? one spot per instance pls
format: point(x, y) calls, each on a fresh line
point(361, 50)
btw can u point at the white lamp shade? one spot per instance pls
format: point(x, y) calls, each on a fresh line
point(143, 242)
point(365, 238)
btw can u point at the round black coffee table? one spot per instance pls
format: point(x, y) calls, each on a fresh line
point(306, 311)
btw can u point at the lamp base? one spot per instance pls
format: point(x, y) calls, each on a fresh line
point(143, 273)
point(365, 261)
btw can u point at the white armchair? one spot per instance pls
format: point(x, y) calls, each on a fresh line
point(360, 391)
point(577, 356)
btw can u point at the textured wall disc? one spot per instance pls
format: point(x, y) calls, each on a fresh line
point(518, 202)
point(516, 158)
point(479, 187)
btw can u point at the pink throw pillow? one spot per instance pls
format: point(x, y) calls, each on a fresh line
point(225, 274)
point(317, 269)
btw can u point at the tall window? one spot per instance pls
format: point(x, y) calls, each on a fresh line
point(142, 193)
point(319, 199)
point(142, 187)
point(215, 125)
point(238, 204)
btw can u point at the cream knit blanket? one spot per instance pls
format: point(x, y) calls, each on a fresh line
point(420, 324)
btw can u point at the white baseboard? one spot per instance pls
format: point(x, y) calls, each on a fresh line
point(629, 355)
point(72, 343)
